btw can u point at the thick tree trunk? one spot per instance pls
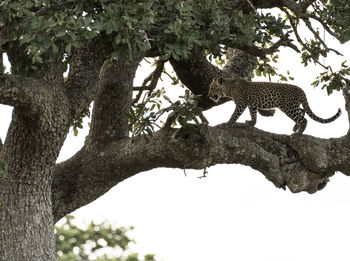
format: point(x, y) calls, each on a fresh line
point(26, 230)
point(28, 157)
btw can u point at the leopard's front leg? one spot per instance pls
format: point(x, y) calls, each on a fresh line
point(238, 112)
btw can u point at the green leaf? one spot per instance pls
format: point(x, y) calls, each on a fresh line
point(75, 130)
point(68, 49)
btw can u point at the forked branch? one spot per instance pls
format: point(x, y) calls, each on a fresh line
point(152, 78)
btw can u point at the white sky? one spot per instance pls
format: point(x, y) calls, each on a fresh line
point(235, 213)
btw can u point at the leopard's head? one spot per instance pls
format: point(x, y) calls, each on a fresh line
point(216, 90)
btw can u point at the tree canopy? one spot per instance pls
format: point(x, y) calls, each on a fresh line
point(66, 55)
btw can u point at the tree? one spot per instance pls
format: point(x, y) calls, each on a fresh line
point(101, 44)
point(94, 242)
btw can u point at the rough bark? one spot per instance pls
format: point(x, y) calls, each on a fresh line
point(44, 111)
point(28, 158)
point(287, 161)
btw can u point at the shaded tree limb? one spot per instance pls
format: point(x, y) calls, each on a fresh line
point(301, 163)
point(304, 5)
point(83, 78)
point(346, 95)
point(197, 73)
point(239, 64)
point(21, 92)
point(2, 67)
point(113, 100)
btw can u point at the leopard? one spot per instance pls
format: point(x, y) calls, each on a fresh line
point(265, 96)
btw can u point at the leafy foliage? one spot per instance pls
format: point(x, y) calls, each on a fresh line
point(98, 242)
point(62, 25)
point(145, 117)
point(78, 123)
point(332, 81)
point(266, 68)
point(336, 14)
point(177, 27)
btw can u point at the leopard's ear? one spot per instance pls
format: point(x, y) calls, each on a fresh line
point(220, 80)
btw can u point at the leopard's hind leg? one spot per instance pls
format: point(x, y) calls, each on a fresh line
point(297, 115)
point(252, 112)
point(300, 127)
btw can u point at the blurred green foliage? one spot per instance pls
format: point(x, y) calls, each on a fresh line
point(100, 242)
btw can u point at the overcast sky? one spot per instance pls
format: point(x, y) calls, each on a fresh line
point(234, 213)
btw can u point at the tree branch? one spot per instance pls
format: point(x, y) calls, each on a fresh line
point(309, 26)
point(152, 78)
point(305, 4)
point(112, 101)
point(2, 68)
point(346, 94)
point(239, 64)
point(301, 163)
point(21, 92)
point(83, 77)
point(262, 52)
point(197, 74)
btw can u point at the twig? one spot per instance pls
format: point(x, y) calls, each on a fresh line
point(308, 24)
point(251, 4)
point(262, 52)
point(152, 78)
point(171, 77)
point(324, 25)
point(295, 29)
point(141, 88)
point(205, 172)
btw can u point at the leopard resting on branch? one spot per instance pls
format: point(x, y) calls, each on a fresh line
point(265, 95)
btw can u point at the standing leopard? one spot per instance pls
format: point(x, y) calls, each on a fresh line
point(265, 95)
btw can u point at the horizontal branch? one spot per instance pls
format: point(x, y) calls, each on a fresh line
point(301, 163)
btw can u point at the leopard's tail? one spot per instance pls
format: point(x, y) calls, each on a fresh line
point(315, 117)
